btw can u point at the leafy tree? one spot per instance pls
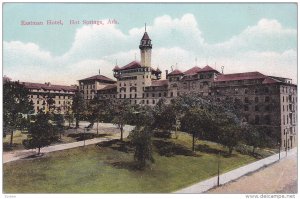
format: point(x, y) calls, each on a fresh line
point(197, 122)
point(164, 116)
point(41, 133)
point(122, 114)
point(78, 107)
point(99, 110)
point(141, 139)
point(59, 123)
point(15, 103)
point(69, 115)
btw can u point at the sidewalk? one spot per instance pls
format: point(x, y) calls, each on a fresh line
point(235, 174)
point(19, 154)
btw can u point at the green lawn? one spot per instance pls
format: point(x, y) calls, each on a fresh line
point(95, 169)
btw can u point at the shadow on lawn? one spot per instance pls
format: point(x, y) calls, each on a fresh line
point(116, 144)
point(206, 149)
point(169, 149)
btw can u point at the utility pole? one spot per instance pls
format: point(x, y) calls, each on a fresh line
point(218, 169)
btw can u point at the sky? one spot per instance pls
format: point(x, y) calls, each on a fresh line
point(242, 37)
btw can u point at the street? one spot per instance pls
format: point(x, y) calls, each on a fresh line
point(281, 177)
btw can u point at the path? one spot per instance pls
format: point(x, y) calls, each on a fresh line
point(206, 185)
point(280, 177)
point(19, 154)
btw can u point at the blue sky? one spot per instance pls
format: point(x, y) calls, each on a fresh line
point(242, 37)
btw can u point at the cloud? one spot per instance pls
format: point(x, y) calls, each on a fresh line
point(267, 47)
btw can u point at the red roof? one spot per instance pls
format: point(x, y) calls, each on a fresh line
point(207, 68)
point(110, 86)
point(145, 36)
point(193, 70)
point(116, 67)
point(160, 82)
point(270, 80)
point(175, 72)
point(131, 65)
point(240, 76)
point(99, 77)
point(48, 86)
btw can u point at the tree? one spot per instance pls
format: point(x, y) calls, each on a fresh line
point(78, 107)
point(69, 115)
point(164, 116)
point(59, 123)
point(141, 139)
point(41, 133)
point(99, 110)
point(122, 114)
point(15, 103)
point(197, 122)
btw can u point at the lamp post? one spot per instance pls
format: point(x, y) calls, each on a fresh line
point(218, 169)
point(279, 144)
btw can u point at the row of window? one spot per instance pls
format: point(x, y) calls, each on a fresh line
point(258, 119)
point(56, 97)
point(91, 86)
point(289, 99)
point(256, 99)
point(257, 108)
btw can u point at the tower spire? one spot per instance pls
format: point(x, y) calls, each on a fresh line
point(145, 27)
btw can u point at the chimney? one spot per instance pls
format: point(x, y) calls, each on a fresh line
point(166, 73)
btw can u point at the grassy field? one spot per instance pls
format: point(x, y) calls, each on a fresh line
point(95, 169)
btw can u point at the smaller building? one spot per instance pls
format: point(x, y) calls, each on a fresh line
point(44, 96)
point(89, 86)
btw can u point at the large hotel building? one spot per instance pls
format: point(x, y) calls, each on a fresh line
point(267, 100)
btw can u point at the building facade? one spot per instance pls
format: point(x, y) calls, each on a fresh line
point(47, 96)
point(266, 100)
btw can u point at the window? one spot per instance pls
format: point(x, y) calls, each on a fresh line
point(266, 90)
point(153, 94)
point(124, 96)
point(171, 94)
point(246, 90)
point(246, 100)
point(267, 99)
point(255, 91)
point(283, 98)
point(256, 99)
point(267, 108)
point(267, 119)
point(165, 94)
point(153, 101)
point(159, 94)
point(256, 108)
point(283, 119)
point(256, 119)
point(120, 96)
point(130, 96)
point(143, 95)
point(147, 101)
point(147, 94)
point(236, 91)
point(37, 102)
point(246, 108)
point(135, 95)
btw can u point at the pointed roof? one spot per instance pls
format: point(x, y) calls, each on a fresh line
point(207, 68)
point(193, 70)
point(145, 36)
point(100, 78)
point(116, 67)
point(131, 65)
point(175, 72)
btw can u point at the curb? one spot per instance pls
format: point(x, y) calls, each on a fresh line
point(208, 184)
